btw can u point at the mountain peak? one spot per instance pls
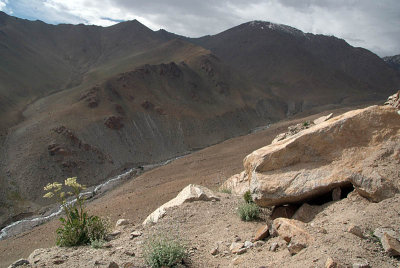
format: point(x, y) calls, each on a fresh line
point(266, 25)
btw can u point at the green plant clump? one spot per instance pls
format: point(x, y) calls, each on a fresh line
point(77, 228)
point(164, 251)
point(97, 243)
point(248, 211)
point(247, 197)
point(225, 190)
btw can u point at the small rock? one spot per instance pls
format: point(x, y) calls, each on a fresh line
point(18, 263)
point(128, 265)
point(293, 232)
point(259, 243)
point(236, 247)
point(273, 247)
point(121, 222)
point(390, 244)
point(237, 238)
point(240, 251)
point(58, 261)
point(261, 233)
point(214, 251)
point(115, 233)
point(330, 263)
point(107, 245)
point(361, 264)
point(135, 234)
point(295, 248)
point(321, 230)
point(237, 261)
point(248, 244)
point(355, 230)
point(113, 265)
point(130, 253)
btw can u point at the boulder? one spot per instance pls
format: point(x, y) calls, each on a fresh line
point(358, 147)
point(390, 244)
point(262, 232)
point(238, 183)
point(293, 232)
point(190, 193)
point(322, 119)
point(373, 186)
point(306, 213)
point(286, 211)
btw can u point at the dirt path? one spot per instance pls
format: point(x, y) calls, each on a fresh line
point(139, 197)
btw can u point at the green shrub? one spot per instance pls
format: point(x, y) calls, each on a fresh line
point(164, 251)
point(306, 123)
point(77, 228)
point(247, 197)
point(248, 211)
point(97, 243)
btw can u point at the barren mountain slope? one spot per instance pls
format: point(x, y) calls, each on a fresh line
point(89, 101)
point(305, 69)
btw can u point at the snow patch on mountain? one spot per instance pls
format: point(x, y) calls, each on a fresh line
point(265, 25)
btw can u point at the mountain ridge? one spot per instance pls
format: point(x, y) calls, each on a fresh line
point(90, 101)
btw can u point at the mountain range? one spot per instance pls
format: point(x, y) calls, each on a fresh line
point(90, 101)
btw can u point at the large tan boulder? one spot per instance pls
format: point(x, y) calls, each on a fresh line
point(360, 147)
point(190, 193)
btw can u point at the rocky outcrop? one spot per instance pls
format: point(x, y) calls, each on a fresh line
point(91, 97)
point(190, 193)
point(394, 100)
point(114, 122)
point(360, 147)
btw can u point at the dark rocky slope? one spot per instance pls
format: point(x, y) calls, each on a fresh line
point(393, 61)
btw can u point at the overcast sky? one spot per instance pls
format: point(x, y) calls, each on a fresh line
point(372, 24)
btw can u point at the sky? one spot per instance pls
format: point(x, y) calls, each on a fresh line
point(372, 24)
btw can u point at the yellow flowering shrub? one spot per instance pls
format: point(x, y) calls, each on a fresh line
point(78, 228)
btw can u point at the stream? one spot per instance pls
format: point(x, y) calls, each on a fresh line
point(27, 224)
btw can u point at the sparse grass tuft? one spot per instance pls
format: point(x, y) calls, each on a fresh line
point(248, 211)
point(164, 251)
point(225, 190)
point(97, 244)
